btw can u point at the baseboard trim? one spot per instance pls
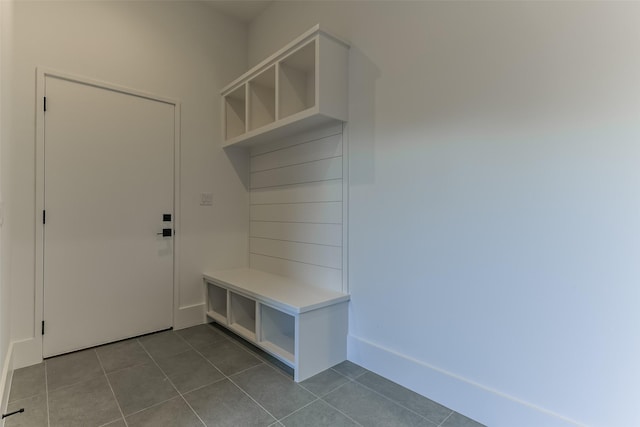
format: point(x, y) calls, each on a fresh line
point(5, 380)
point(189, 316)
point(27, 352)
point(484, 404)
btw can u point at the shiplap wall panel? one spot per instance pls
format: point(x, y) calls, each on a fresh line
point(322, 234)
point(320, 191)
point(328, 278)
point(312, 135)
point(323, 213)
point(319, 170)
point(324, 148)
point(296, 195)
point(309, 253)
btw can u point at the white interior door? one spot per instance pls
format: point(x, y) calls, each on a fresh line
point(108, 180)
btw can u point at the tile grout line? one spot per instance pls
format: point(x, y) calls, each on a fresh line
point(46, 392)
point(317, 399)
point(251, 397)
point(113, 393)
point(397, 403)
point(228, 378)
point(279, 371)
point(321, 398)
point(236, 373)
point(337, 409)
point(447, 417)
point(171, 382)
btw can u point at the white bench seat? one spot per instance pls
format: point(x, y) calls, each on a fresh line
point(302, 325)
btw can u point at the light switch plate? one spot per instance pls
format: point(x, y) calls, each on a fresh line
point(206, 199)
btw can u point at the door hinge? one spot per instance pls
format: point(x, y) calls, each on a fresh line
point(44, 217)
point(45, 103)
point(43, 327)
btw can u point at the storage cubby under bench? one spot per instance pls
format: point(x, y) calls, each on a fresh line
point(303, 326)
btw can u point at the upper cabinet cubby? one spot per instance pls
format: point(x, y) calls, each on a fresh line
point(301, 86)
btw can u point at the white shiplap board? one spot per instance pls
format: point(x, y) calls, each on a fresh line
point(309, 253)
point(296, 210)
point(323, 277)
point(323, 212)
point(319, 170)
point(319, 191)
point(322, 234)
point(325, 148)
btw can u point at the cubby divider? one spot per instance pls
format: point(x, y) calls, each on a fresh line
point(262, 99)
point(297, 81)
point(301, 86)
point(277, 332)
point(217, 302)
point(242, 315)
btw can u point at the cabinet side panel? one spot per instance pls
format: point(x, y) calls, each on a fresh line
point(333, 78)
point(321, 340)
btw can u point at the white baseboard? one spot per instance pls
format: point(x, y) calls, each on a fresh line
point(189, 316)
point(5, 380)
point(27, 352)
point(483, 404)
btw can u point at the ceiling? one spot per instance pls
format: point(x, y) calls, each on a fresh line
point(242, 10)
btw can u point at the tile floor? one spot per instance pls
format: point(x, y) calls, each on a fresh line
point(205, 376)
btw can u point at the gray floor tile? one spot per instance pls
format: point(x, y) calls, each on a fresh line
point(34, 415)
point(72, 368)
point(123, 354)
point(164, 344)
point(189, 370)
point(27, 382)
point(117, 423)
point(459, 420)
point(140, 387)
point(324, 382)
point(349, 369)
point(407, 398)
point(201, 336)
point(318, 414)
point(222, 404)
point(89, 403)
point(371, 409)
point(173, 413)
point(229, 357)
point(276, 393)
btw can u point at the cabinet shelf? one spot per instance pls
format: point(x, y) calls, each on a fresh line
point(242, 316)
point(235, 113)
point(217, 302)
point(301, 86)
point(278, 332)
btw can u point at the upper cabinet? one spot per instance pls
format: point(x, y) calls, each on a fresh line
point(302, 85)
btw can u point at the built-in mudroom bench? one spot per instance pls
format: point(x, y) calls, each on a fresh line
point(286, 117)
point(303, 326)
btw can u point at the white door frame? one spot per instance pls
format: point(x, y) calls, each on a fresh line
point(42, 73)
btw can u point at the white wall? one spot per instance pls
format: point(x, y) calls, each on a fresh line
point(180, 50)
point(494, 200)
